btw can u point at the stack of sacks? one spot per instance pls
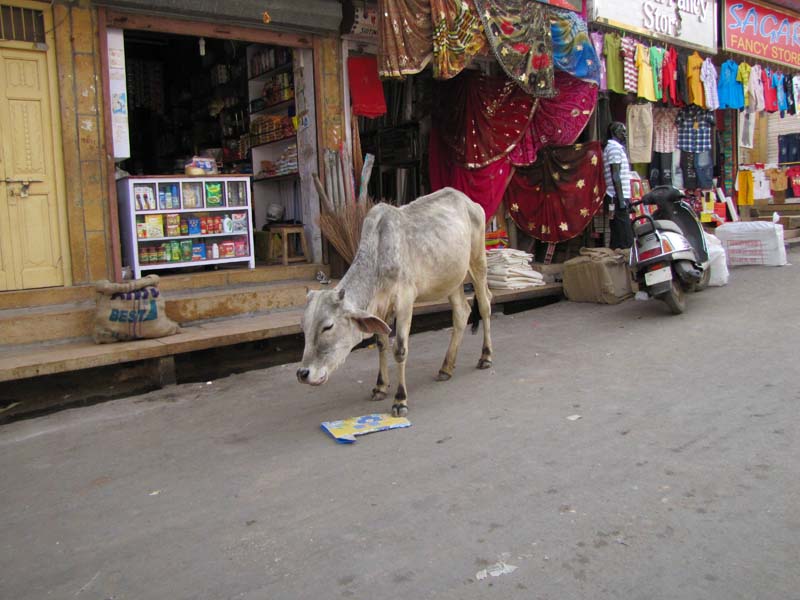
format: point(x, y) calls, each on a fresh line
point(510, 269)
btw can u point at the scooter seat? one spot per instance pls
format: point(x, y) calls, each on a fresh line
point(664, 225)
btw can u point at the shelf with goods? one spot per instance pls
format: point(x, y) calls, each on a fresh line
point(178, 222)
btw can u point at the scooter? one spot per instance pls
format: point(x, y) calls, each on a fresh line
point(669, 256)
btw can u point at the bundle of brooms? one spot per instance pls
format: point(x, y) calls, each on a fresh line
point(343, 214)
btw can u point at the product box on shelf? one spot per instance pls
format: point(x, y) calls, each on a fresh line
point(145, 198)
point(198, 251)
point(214, 194)
point(154, 225)
point(239, 222)
point(194, 225)
point(192, 195)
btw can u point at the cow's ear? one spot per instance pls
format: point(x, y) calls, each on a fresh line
point(370, 324)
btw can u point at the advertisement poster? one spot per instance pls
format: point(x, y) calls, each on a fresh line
point(684, 22)
point(757, 31)
point(119, 94)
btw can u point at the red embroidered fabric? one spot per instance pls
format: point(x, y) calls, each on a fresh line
point(485, 186)
point(558, 121)
point(481, 118)
point(554, 199)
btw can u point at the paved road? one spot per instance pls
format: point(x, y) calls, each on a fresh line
point(679, 481)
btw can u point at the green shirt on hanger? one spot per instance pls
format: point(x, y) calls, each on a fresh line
point(612, 49)
point(656, 62)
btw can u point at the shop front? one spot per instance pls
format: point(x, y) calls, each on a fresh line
point(216, 118)
point(766, 37)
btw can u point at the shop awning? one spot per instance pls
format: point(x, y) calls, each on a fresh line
point(308, 16)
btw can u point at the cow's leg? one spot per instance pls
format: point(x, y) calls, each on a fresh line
point(403, 313)
point(483, 296)
point(382, 385)
point(460, 316)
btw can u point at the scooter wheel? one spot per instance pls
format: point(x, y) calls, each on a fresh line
point(703, 283)
point(675, 298)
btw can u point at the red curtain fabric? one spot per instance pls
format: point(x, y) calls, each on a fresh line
point(485, 186)
point(554, 199)
point(481, 118)
point(558, 121)
point(366, 89)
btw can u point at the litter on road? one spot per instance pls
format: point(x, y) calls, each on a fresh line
point(345, 431)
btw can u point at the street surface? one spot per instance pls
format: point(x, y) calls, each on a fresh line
point(680, 480)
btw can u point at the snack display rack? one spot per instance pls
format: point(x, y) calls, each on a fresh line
point(172, 222)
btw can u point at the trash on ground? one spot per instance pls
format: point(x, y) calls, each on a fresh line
point(497, 569)
point(642, 296)
point(573, 417)
point(345, 431)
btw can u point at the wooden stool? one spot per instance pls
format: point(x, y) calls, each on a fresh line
point(284, 231)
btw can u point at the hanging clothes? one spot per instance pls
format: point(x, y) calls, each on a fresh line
point(366, 90)
point(731, 92)
point(615, 70)
point(755, 88)
point(554, 199)
point(670, 78)
point(747, 127)
point(694, 65)
point(457, 36)
point(485, 185)
point(597, 42)
point(665, 130)
point(777, 83)
point(573, 50)
point(557, 121)
point(520, 36)
point(481, 118)
point(405, 43)
point(682, 77)
point(708, 75)
point(770, 93)
point(743, 77)
point(789, 91)
point(645, 87)
point(796, 91)
point(640, 132)
point(694, 129)
point(657, 64)
point(629, 61)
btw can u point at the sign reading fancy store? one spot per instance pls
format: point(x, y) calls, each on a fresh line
point(758, 31)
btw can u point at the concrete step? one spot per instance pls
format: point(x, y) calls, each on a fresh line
point(48, 358)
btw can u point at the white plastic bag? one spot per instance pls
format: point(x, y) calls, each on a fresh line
point(717, 264)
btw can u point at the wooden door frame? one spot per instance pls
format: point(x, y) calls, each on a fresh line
point(55, 124)
point(109, 18)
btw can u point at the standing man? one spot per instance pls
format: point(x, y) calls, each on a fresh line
point(617, 173)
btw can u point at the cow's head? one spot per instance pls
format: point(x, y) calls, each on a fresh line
point(332, 326)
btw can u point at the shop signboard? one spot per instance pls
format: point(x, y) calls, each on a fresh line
point(691, 23)
point(574, 5)
point(759, 31)
point(118, 92)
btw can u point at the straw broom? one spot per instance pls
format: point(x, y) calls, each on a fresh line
point(341, 222)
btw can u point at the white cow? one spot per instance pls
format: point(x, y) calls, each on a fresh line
point(418, 252)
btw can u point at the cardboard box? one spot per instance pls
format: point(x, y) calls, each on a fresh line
point(154, 225)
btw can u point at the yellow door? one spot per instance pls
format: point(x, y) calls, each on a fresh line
point(31, 209)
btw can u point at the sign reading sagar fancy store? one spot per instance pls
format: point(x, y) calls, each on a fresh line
point(758, 31)
point(688, 22)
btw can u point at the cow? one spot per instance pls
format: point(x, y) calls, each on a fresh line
point(418, 252)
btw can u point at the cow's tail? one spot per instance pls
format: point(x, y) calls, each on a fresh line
point(475, 315)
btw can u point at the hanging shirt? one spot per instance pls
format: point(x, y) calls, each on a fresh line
point(790, 99)
point(796, 91)
point(612, 50)
point(747, 127)
point(755, 88)
point(794, 179)
point(657, 63)
point(614, 154)
point(770, 93)
point(777, 83)
point(629, 61)
point(682, 76)
point(669, 73)
point(694, 129)
point(731, 92)
point(708, 75)
point(694, 64)
point(743, 77)
point(645, 87)
point(597, 42)
point(778, 182)
point(665, 131)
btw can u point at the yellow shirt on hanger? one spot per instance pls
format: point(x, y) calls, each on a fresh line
point(693, 67)
point(646, 89)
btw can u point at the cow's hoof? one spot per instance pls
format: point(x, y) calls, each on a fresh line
point(399, 410)
point(378, 395)
point(443, 376)
point(484, 363)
